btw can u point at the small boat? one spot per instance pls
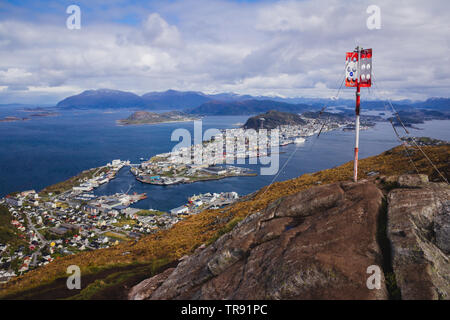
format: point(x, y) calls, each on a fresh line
point(299, 140)
point(142, 159)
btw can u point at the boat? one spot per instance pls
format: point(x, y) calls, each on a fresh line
point(142, 196)
point(299, 140)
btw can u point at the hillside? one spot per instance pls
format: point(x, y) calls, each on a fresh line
point(110, 273)
point(252, 106)
point(273, 119)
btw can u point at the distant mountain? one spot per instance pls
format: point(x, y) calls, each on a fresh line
point(172, 99)
point(227, 96)
point(441, 104)
point(169, 100)
point(246, 107)
point(414, 116)
point(103, 99)
point(273, 119)
point(179, 100)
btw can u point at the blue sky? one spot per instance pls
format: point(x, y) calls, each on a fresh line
point(287, 48)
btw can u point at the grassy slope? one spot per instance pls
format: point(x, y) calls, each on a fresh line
point(184, 237)
point(8, 233)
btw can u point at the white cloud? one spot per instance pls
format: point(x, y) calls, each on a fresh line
point(159, 32)
point(289, 48)
point(12, 76)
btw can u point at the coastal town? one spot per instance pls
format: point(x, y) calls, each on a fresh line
point(68, 217)
point(212, 159)
point(52, 225)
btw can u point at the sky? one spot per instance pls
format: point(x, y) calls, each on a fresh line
point(270, 48)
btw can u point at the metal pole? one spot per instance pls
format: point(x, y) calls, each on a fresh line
point(358, 102)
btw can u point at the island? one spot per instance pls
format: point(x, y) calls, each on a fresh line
point(145, 117)
point(415, 116)
point(45, 114)
point(13, 119)
point(272, 119)
point(34, 115)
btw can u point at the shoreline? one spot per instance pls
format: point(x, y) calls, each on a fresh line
point(120, 124)
point(198, 180)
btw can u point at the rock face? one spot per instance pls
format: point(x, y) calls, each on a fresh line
point(412, 180)
point(319, 243)
point(419, 231)
point(146, 287)
point(316, 244)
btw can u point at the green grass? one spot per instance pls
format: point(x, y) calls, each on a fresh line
point(116, 236)
point(386, 251)
point(227, 228)
point(124, 222)
point(8, 233)
point(150, 213)
point(95, 289)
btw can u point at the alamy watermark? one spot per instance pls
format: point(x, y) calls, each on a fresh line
point(74, 20)
point(74, 280)
point(374, 280)
point(374, 20)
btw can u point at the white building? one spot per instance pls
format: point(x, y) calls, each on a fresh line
point(179, 210)
point(14, 201)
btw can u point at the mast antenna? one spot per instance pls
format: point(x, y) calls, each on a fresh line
point(358, 73)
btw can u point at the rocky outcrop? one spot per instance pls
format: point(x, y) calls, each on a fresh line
point(146, 287)
point(419, 231)
point(319, 243)
point(412, 180)
point(316, 244)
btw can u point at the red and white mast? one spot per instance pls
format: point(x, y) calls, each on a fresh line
point(358, 103)
point(358, 74)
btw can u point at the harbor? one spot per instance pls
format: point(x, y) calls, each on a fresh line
point(205, 161)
